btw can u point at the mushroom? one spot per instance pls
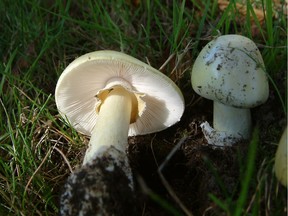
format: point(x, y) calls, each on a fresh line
point(109, 96)
point(281, 159)
point(230, 71)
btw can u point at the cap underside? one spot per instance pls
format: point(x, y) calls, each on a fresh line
point(80, 82)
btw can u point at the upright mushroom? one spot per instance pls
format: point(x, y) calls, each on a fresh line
point(230, 71)
point(109, 95)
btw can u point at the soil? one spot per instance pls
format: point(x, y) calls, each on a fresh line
point(196, 170)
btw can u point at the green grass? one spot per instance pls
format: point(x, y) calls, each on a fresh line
point(40, 38)
point(238, 208)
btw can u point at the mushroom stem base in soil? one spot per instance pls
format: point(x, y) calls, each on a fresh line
point(230, 125)
point(104, 184)
point(100, 187)
point(101, 94)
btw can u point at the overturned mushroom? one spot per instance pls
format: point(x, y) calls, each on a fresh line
point(109, 95)
point(230, 71)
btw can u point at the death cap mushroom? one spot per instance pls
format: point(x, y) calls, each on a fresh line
point(82, 86)
point(230, 71)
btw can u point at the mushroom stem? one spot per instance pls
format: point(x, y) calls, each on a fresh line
point(112, 125)
point(234, 121)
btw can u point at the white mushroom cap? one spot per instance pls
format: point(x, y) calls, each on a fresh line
point(83, 83)
point(230, 70)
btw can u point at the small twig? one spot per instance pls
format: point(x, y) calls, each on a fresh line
point(148, 62)
point(172, 152)
point(167, 61)
point(38, 168)
point(151, 146)
point(166, 184)
point(65, 158)
point(193, 102)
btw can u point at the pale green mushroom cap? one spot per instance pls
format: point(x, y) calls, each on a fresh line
point(230, 70)
point(281, 159)
point(84, 83)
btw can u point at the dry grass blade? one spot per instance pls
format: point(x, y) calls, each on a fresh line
point(165, 182)
point(65, 158)
point(38, 168)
